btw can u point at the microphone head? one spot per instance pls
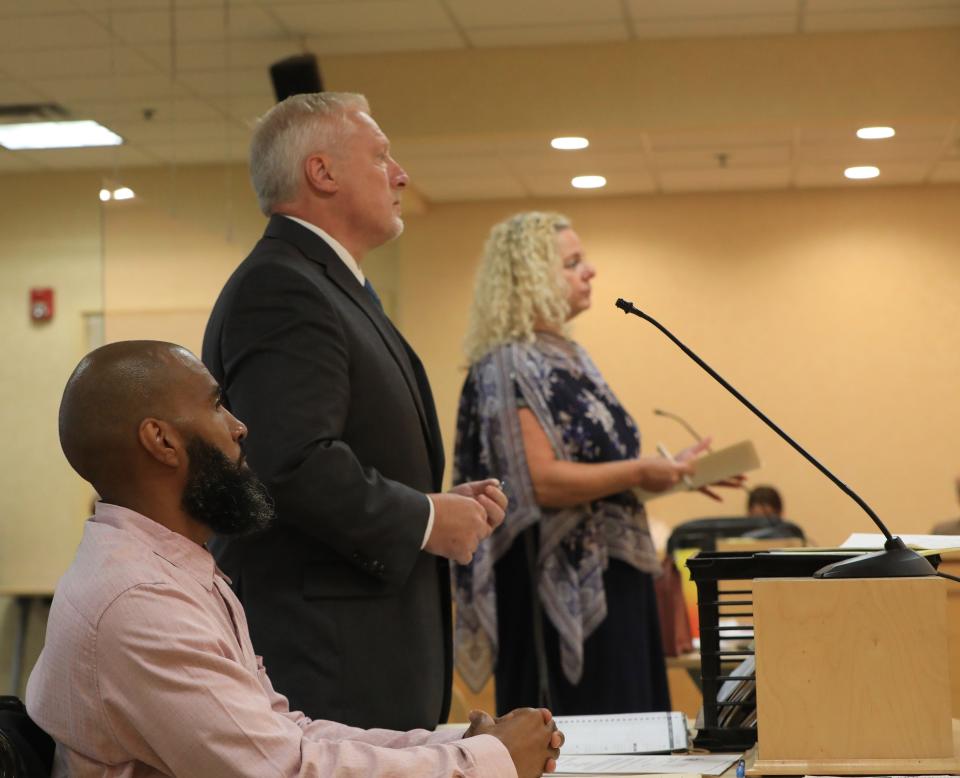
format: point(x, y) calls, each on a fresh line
point(624, 305)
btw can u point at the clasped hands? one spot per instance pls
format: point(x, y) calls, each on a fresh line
point(529, 734)
point(463, 517)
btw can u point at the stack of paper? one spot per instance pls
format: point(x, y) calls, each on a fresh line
point(685, 765)
point(624, 733)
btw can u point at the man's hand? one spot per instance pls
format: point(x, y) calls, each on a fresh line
point(531, 737)
point(489, 494)
point(459, 524)
point(481, 723)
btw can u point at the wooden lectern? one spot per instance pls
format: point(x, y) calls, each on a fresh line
point(852, 677)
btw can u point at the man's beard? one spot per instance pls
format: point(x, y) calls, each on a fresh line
point(225, 496)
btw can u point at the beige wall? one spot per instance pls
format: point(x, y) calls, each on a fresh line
point(49, 236)
point(835, 311)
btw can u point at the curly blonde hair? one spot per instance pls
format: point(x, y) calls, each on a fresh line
point(519, 284)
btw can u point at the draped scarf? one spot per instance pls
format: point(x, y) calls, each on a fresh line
point(548, 376)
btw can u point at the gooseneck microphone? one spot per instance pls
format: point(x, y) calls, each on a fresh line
point(896, 560)
point(681, 421)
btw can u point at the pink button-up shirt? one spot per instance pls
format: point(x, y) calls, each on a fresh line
point(148, 670)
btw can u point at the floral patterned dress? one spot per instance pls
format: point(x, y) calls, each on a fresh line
point(589, 565)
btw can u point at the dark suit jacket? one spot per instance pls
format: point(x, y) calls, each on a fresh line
point(352, 619)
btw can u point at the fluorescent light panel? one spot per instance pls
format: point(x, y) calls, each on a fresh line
point(862, 171)
point(876, 133)
point(569, 143)
point(588, 182)
point(56, 135)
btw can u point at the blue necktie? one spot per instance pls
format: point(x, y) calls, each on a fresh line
point(373, 293)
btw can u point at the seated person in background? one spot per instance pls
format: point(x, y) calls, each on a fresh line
point(765, 501)
point(952, 526)
point(148, 668)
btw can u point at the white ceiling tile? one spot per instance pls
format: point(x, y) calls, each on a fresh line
point(725, 179)
point(869, 152)
point(216, 55)
point(162, 110)
point(35, 7)
point(587, 162)
point(467, 145)
point(833, 6)
point(148, 5)
point(679, 9)
point(193, 24)
point(719, 137)
point(245, 109)
point(51, 33)
point(711, 27)
point(883, 20)
point(823, 175)
point(221, 83)
point(722, 156)
point(425, 40)
point(189, 152)
point(144, 88)
point(485, 187)
point(15, 92)
point(440, 166)
point(144, 132)
point(548, 34)
point(556, 185)
point(946, 172)
point(16, 161)
point(106, 158)
point(104, 61)
point(328, 19)
point(907, 130)
point(503, 13)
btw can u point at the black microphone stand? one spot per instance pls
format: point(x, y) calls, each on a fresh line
point(895, 561)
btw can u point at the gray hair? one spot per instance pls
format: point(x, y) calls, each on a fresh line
point(288, 133)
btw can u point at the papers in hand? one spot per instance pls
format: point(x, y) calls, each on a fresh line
point(717, 466)
point(624, 733)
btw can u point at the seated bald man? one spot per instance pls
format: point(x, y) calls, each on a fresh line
point(148, 668)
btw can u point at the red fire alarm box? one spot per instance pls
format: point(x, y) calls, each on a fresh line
point(41, 304)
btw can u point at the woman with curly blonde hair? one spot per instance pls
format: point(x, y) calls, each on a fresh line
point(559, 601)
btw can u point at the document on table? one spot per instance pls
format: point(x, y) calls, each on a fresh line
point(717, 466)
point(633, 764)
point(868, 540)
point(624, 733)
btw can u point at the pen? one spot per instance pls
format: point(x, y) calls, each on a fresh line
point(741, 769)
point(662, 450)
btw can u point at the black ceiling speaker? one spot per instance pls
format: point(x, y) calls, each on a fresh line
point(296, 75)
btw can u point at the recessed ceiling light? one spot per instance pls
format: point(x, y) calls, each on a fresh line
point(123, 193)
point(105, 195)
point(862, 171)
point(570, 143)
point(588, 182)
point(56, 135)
point(876, 133)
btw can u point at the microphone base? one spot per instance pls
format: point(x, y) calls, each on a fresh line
point(895, 561)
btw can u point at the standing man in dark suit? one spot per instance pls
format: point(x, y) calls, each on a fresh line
point(348, 595)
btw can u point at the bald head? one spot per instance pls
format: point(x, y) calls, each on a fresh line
point(109, 393)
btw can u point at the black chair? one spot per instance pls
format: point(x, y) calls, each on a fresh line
point(26, 751)
point(703, 533)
